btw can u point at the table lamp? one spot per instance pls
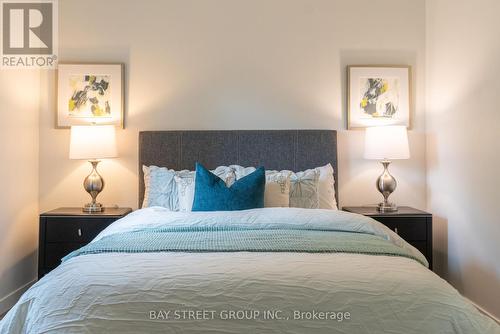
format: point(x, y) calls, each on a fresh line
point(386, 143)
point(93, 142)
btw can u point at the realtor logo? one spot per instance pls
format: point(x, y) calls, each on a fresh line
point(29, 33)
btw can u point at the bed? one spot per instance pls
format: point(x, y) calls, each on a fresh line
point(267, 270)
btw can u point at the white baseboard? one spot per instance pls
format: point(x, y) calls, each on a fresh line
point(8, 301)
point(483, 311)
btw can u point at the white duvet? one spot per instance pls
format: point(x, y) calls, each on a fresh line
point(243, 292)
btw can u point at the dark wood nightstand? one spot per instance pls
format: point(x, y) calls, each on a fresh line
point(415, 226)
point(64, 230)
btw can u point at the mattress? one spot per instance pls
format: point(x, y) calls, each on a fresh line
point(156, 271)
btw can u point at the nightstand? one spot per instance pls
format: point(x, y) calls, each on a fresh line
point(66, 229)
point(415, 226)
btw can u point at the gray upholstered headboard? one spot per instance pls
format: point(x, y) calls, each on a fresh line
point(274, 149)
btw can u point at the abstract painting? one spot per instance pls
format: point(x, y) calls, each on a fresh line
point(378, 96)
point(90, 94)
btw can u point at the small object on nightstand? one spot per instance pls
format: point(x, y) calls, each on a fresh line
point(415, 226)
point(66, 229)
point(386, 143)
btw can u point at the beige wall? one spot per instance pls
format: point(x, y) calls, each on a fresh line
point(463, 146)
point(19, 93)
point(226, 64)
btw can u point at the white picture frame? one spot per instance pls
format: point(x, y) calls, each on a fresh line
point(378, 95)
point(89, 94)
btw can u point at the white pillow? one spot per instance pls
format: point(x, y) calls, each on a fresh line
point(277, 193)
point(240, 171)
point(326, 188)
point(185, 190)
point(145, 171)
point(159, 187)
point(304, 189)
point(186, 185)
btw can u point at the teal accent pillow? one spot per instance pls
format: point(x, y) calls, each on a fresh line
point(212, 194)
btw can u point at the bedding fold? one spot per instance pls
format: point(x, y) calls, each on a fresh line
point(257, 230)
point(255, 235)
point(161, 220)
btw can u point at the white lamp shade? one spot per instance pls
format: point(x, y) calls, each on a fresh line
point(93, 142)
point(386, 142)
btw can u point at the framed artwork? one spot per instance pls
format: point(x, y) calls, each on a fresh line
point(89, 93)
point(378, 95)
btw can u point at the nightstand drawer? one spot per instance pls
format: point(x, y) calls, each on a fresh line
point(410, 229)
point(77, 230)
point(56, 251)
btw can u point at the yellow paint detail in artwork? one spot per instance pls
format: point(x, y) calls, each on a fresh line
point(98, 111)
point(385, 87)
point(71, 105)
point(364, 103)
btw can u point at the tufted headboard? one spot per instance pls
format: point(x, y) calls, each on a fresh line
point(295, 150)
